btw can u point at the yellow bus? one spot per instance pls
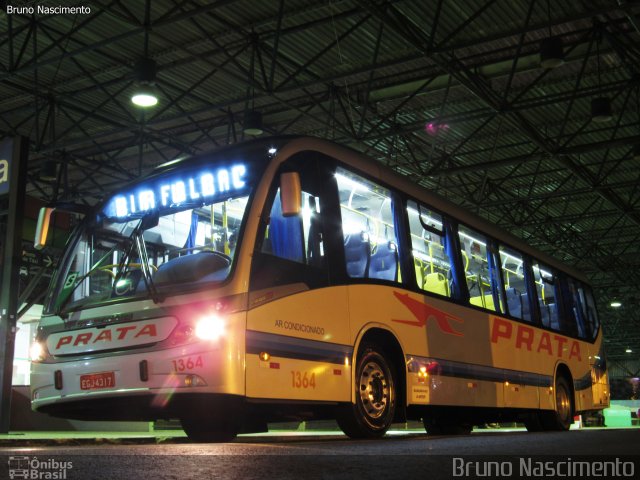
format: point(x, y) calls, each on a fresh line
point(292, 278)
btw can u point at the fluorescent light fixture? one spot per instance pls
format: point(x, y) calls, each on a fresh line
point(628, 350)
point(615, 304)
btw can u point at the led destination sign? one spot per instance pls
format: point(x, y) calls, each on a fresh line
point(198, 187)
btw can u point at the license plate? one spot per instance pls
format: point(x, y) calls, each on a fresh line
point(96, 381)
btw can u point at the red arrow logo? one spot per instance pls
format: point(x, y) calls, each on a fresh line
point(424, 312)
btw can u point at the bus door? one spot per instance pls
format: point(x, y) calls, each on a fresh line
point(298, 344)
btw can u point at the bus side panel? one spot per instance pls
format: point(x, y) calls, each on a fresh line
point(306, 338)
point(469, 357)
point(446, 346)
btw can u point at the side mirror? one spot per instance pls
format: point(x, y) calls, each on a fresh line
point(42, 229)
point(290, 194)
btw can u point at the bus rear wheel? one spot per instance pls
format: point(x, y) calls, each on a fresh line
point(209, 430)
point(455, 428)
point(562, 417)
point(375, 397)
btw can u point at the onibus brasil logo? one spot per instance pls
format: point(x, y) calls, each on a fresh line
point(36, 469)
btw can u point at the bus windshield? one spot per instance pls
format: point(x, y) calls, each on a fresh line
point(175, 232)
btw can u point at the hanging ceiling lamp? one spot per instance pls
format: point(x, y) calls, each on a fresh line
point(551, 48)
point(600, 106)
point(145, 94)
point(252, 124)
point(551, 52)
point(601, 109)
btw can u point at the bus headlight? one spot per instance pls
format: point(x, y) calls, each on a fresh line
point(210, 327)
point(37, 352)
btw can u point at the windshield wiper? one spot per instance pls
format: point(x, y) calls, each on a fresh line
point(127, 245)
point(65, 300)
point(146, 222)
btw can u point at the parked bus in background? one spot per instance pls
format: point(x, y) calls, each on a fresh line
point(291, 278)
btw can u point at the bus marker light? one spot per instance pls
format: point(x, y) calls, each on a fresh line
point(264, 356)
point(274, 365)
point(193, 381)
point(337, 371)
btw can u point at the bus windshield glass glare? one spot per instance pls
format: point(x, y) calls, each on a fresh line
point(178, 230)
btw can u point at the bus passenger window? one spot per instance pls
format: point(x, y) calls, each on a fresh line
point(548, 293)
point(481, 270)
point(432, 264)
point(513, 275)
point(577, 306)
point(368, 228)
point(297, 238)
point(592, 313)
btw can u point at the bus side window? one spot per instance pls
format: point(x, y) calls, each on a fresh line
point(576, 307)
point(296, 238)
point(547, 289)
point(513, 275)
point(291, 249)
point(592, 312)
point(432, 264)
point(368, 228)
point(283, 236)
point(481, 266)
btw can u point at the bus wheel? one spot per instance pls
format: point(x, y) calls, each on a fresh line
point(374, 408)
point(533, 423)
point(208, 431)
point(436, 428)
point(562, 417)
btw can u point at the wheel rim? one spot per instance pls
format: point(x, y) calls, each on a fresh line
point(374, 389)
point(563, 403)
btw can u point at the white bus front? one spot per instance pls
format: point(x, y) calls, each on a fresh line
point(143, 319)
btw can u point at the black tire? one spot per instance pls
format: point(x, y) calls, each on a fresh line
point(209, 430)
point(372, 413)
point(562, 417)
point(533, 423)
point(436, 428)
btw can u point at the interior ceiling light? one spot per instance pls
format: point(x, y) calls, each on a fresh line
point(252, 124)
point(551, 52)
point(615, 304)
point(145, 94)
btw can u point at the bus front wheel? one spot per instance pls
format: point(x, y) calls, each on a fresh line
point(209, 430)
point(375, 396)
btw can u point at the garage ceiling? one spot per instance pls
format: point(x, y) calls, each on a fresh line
point(450, 93)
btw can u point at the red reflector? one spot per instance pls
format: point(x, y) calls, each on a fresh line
point(337, 371)
point(274, 365)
